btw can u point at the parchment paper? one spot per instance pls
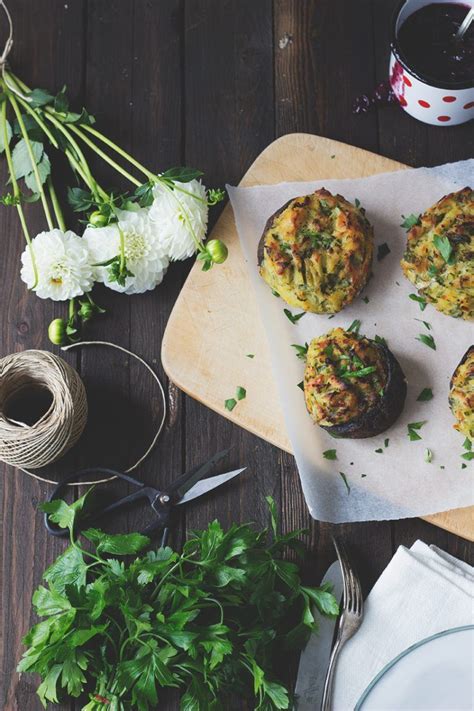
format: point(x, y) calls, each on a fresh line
point(397, 483)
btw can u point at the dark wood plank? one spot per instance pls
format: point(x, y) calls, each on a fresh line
point(48, 52)
point(324, 57)
point(229, 120)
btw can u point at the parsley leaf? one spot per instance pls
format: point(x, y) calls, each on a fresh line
point(293, 318)
point(208, 621)
point(382, 251)
point(230, 404)
point(412, 430)
point(301, 351)
point(344, 479)
point(355, 326)
point(444, 247)
point(420, 299)
point(240, 393)
point(427, 340)
point(330, 454)
point(425, 395)
point(410, 221)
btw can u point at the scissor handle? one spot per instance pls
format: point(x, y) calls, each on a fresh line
point(55, 530)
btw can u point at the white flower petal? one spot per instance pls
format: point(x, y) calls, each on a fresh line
point(178, 216)
point(62, 261)
point(144, 252)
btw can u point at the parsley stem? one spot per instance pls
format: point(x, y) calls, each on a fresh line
point(56, 206)
point(17, 195)
point(29, 149)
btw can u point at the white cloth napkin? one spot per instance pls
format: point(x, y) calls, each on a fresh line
point(422, 591)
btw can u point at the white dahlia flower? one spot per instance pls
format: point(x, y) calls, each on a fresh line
point(145, 253)
point(63, 265)
point(178, 215)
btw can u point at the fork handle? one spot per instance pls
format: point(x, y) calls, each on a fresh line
point(326, 704)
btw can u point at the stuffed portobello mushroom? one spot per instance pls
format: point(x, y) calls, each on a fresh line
point(461, 396)
point(353, 386)
point(439, 257)
point(316, 252)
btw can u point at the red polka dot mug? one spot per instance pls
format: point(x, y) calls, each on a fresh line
point(432, 82)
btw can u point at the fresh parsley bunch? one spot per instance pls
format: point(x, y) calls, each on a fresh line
point(210, 620)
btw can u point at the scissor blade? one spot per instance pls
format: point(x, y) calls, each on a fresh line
point(186, 481)
point(206, 485)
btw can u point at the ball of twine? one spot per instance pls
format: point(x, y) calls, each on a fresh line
point(58, 429)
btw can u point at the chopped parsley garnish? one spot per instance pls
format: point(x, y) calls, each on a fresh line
point(362, 476)
point(386, 442)
point(300, 385)
point(428, 456)
point(331, 316)
point(412, 430)
point(240, 393)
point(444, 247)
point(365, 299)
point(250, 355)
point(357, 202)
point(329, 350)
point(344, 373)
point(425, 395)
point(427, 340)
point(330, 454)
point(275, 293)
point(468, 456)
point(344, 479)
point(463, 465)
point(294, 318)
point(425, 323)
point(333, 156)
point(285, 246)
point(355, 326)
point(318, 239)
point(410, 221)
point(432, 270)
point(379, 451)
point(380, 339)
point(382, 251)
point(467, 444)
point(301, 351)
point(420, 300)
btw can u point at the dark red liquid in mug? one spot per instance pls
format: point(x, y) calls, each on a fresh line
point(426, 41)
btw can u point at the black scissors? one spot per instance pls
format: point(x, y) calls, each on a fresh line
point(186, 487)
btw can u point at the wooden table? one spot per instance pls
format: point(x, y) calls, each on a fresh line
point(205, 83)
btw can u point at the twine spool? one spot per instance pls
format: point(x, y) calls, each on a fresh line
point(31, 446)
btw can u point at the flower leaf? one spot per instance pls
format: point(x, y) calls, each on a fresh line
point(21, 159)
point(181, 175)
point(44, 169)
point(40, 97)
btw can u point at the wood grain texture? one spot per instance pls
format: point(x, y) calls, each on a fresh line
point(209, 84)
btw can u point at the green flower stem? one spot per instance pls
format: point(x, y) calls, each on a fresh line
point(122, 251)
point(17, 194)
point(72, 308)
point(85, 172)
point(108, 142)
point(38, 120)
point(29, 148)
point(56, 206)
point(104, 156)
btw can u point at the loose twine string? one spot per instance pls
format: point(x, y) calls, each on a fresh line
point(47, 440)
point(6, 51)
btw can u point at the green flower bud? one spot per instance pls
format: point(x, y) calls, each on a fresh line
point(97, 219)
point(86, 311)
point(57, 331)
point(217, 251)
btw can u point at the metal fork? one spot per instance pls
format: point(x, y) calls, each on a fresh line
point(349, 622)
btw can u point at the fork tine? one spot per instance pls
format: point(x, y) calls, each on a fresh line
point(345, 569)
point(353, 600)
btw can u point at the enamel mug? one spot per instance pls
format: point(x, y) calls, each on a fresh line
point(437, 103)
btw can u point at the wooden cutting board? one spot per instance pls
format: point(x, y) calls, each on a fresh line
point(215, 324)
